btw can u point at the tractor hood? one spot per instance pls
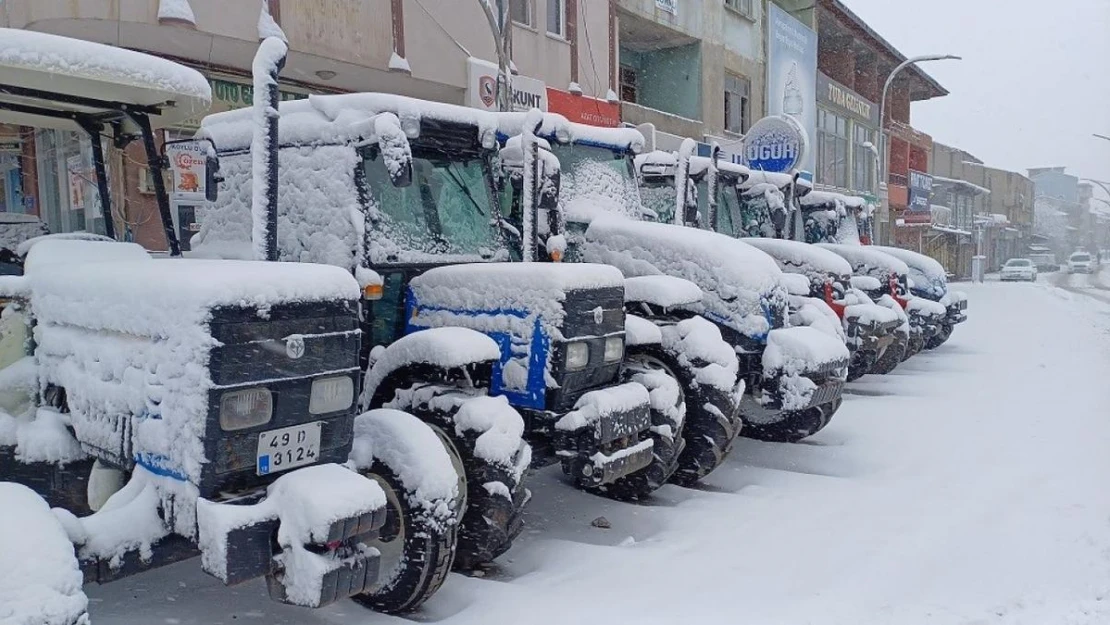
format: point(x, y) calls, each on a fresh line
point(813, 262)
point(929, 277)
point(740, 285)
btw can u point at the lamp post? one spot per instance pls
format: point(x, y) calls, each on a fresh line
point(1095, 134)
point(881, 186)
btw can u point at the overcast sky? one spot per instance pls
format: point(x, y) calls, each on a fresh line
point(1033, 85)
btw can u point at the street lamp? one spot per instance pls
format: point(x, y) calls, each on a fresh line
point(1095, 134)
point(882, 110)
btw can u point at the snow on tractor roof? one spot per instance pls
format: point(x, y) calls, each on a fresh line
point(73, 67)
point(343, 117)
point(559, 129)
point(798, 257)
point(758, 176)
point(866, 260)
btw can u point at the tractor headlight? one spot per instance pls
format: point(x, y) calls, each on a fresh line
point(614, 349)
point(331, 394)
point(245, 408)
point(578, 355)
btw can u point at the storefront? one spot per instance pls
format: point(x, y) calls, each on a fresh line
point(847, 132)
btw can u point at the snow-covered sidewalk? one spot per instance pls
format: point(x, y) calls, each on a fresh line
point(970, 486)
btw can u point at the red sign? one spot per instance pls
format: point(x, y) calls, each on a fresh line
point(583, 109)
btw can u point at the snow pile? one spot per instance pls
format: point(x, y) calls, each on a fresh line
point(888, 302)
point(24, 248)
point(594, 406)
point(926, 308)
point(814, 313)
point(596, 185)
point(792, 352)
point(399, 63)
point(178, 10)
point(558, 129)
point(318, 216)
point(795, 284)
point(866, 283)
point(700, 348)
point(39, 435)
point(267, 26)
point(663, 291)
point(814, 262)
point(735, 278)
point(867, 313)
point(868, 261)
point(929, 274)
point(640, 331)
point(40, 581)
point(445, 347)
point(500, 429)
point(306, 502)
point(664, 395)
point(74, 58)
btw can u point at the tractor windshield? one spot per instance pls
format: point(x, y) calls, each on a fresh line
point(446, 211)
point(596, 178)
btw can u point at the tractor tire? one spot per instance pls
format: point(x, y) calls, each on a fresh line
point(655, 372)
point(495, 489)
point(941, 338)
point(417, 543)
point(892, 357)
point(796, 426)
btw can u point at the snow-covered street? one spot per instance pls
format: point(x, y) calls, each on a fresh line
point(967, 487)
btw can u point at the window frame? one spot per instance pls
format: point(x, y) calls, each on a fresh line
point(530, 9)
point(745, 8)
point(634, 85)
point(562, 19)
point(745, 102)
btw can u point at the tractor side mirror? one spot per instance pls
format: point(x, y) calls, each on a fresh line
point(212, 177)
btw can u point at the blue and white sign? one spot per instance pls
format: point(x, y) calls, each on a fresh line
point(775, 144)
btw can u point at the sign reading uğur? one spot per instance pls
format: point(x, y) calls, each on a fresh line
point(188, 162)
point(844, 100)
point(481, 90)
point(777, 144)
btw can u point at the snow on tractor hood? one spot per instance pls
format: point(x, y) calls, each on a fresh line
point(73, 67)
point(736, 279)
point(929, 274)
point(558, 129)
point(815, 263)
point(524, 290)
point(128, 291)
point(868, 261)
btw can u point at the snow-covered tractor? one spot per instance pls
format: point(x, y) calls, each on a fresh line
point(870, 329)
point(793, 376)
point(832, 217)
point(401, 193)
point(170, 408)
point(929, 280)
point(893, 285)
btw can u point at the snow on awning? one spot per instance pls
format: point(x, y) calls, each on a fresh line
point(951, 230)
point(80, 70)
point(963, 184)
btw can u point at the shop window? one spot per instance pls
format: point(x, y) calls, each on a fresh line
point(521, 12)
point(743, 7)
point(737, 103)
point(863, 159)
point(832, 149)
point(629, 85)
point(557, 17)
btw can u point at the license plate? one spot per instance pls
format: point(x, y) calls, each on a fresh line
point(288, 448)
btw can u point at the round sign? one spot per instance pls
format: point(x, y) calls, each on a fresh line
point(775, 144)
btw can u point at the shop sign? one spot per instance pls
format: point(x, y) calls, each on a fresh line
point(584, 109)
point(189, 165)
point(919, 198)
point(792, 73)
point(481, 88)
point(229, 94)
point(845, 101)
point(670, 6)
point(775, 144)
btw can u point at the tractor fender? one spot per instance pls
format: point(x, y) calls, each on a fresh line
point(441, 350)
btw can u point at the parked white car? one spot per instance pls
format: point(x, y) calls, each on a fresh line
point(1019, 269)
point(1080, 262)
